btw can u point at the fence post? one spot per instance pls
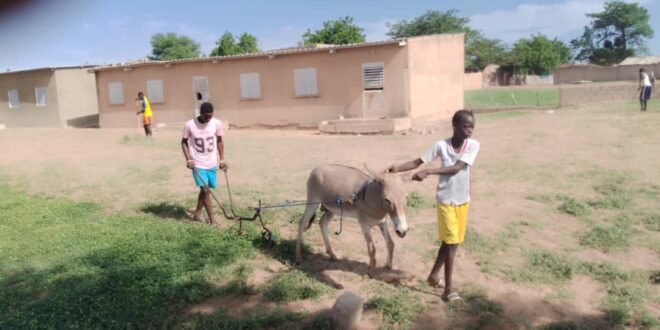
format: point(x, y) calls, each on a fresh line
point(515, 103)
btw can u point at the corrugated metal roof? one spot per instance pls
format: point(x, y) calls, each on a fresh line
point(283, 51)
point(647, 60)
point(50, 68)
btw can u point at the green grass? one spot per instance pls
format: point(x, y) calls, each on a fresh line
point(482, 311)
point(574, 207)
point(608, 238)
point(545, 267)
point(292, 286)
point(253, 319)
point(418, 200)
point(68, 265)
point(397, 305)
point(501, 98)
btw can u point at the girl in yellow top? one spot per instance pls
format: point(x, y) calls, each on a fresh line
point(146, 109)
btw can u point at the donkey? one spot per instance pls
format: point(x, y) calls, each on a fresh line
point(347, 191)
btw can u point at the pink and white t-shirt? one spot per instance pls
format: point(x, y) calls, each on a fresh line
point(453, 189)
point(202, 140)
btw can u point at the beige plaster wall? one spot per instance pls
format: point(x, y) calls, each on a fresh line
point(28, 114)
point(436, 73)
point(571, 74)
point(76, 91)
point(473, 81)
point(573, 95)
point(339, 81)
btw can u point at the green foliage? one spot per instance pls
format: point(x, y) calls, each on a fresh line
point(170, 46)
point(619, 31)
point(574, 207)
point(418, 200)
point(546, 267)
point(76, 267)
point(396, 305)
point(479, 50)
point(614, 194)
point(483, 312)
point(253, 319)
point(338, 32)
point(227, 45)
point(615, 237)
point(292, 286)
point(238, 284)
point(536, 55)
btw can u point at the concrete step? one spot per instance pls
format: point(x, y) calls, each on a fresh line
point(365, 125)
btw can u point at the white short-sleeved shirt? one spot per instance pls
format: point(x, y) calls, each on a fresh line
point(646, 81)
point(453, 189)
point(202, 140)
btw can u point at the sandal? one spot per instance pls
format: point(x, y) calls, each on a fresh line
point(452, 298)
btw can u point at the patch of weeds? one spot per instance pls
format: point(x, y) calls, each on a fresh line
point(609, 238)
point(285, 251)
point(418, 200)
point(574, 207)
point(542, 198)
point(614, 195)
point(560, 294)
point(654, 278)
point(292, 286)
point(253, 319)
point(544, 267)
point(396, 305)
point(476, 304)
point(320, 322)
point(651, 221)
point(648, 321)
point(650, 192)
point(165, 210)
point(238, 285)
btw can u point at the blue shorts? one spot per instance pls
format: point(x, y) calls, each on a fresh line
point(645, 93)
point(209, 177)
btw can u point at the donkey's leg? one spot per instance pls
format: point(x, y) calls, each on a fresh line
point(323, 223)
point(371, 247)
point(310, 210)
point(390, 243)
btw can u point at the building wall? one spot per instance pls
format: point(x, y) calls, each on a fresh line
point(436, 72)
point(473, 81)
point(76, 91)
point(573, 95)
point(28, 114)
point(339, 81)
point(567, 75)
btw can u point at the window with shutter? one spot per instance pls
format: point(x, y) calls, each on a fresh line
point(116, 93)
point(41, 94)
point(250, 85)
point(155, 91)
point(13, 98)
point(305, 80)
point(373, 77)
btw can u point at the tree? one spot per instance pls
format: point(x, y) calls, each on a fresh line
point(619, 31)
point(227, 45)
point(338, 32)
point(165, 47)
point(537, 55)
point(479, 50)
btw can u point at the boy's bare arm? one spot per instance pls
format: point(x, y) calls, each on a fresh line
point(221, 152)
point(449, 170)
point(411, 165)
point(186, 154)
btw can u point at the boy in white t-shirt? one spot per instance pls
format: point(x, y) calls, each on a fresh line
point(645, 88)
point(458, 155)
point(204, 150)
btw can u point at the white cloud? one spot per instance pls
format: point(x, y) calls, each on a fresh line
point(553, 20)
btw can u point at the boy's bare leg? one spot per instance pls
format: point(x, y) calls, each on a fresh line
point(439, 262)
point(449, 267)
point(208, 205)
point(200, 205)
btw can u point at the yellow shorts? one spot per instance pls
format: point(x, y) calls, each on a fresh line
point(452, 221)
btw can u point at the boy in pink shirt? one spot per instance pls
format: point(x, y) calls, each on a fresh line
point(204, 150)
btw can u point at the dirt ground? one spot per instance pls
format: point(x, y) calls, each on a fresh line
point(522, 155)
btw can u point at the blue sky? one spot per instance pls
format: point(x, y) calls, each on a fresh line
point(74, 32)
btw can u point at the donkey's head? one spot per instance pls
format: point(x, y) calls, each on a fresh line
point(394, 200)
